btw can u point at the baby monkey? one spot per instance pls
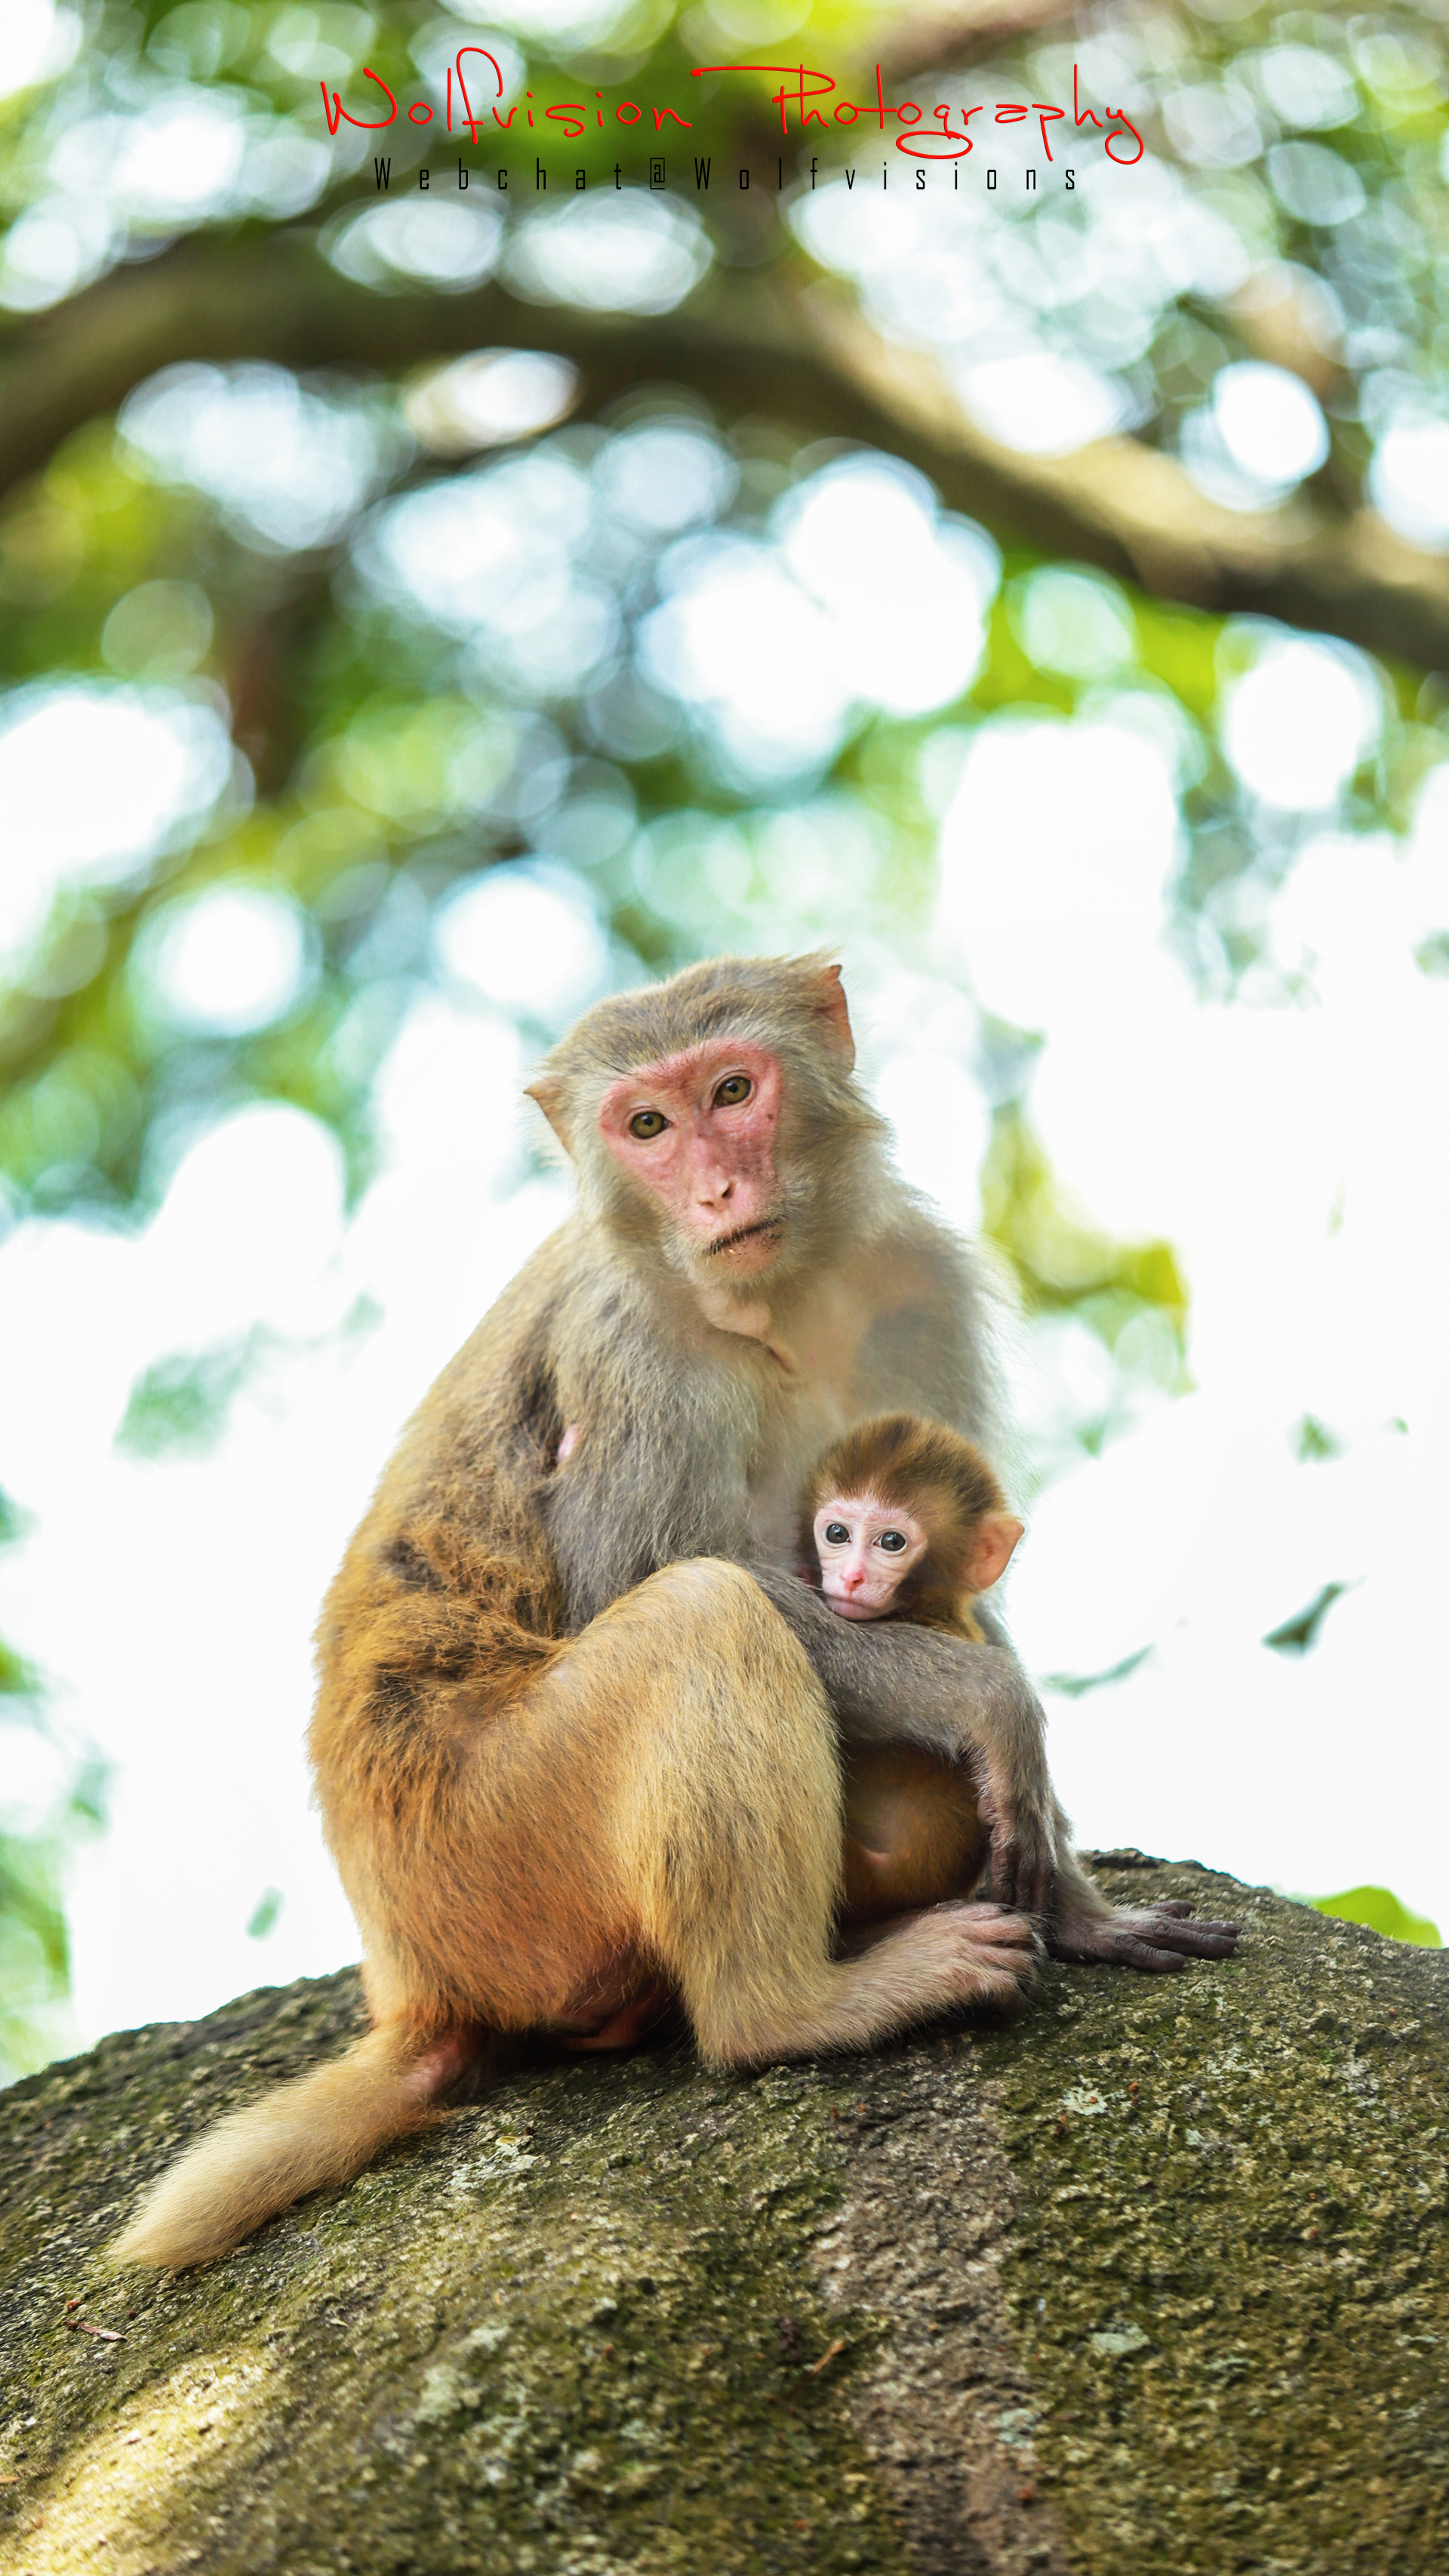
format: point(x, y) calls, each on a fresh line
point(904, 1519)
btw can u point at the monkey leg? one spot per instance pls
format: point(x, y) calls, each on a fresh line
point(727, 1823)
point(914, 1833)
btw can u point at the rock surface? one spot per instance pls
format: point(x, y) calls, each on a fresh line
point(1156, 2275)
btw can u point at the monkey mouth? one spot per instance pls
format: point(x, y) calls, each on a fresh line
point(765, 1225)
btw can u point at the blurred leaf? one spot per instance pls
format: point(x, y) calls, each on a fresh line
point(1076, 1685)
point(1382, 1912)
point(1061, 1259)
point(86, 1804)
point(179, 1405)
point(1297, 1634)
point(264, 1914)
point(1313, 1442)
point(34, 1942)
point(18, 1679)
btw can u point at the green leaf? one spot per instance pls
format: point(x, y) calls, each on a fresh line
point(180, 1403)
point(1297, 1634)
point(1382, 1912)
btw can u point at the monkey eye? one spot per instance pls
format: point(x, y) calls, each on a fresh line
point(646, 1124)
point(837, 1534)
point(893, 1541)
point(734, 1088)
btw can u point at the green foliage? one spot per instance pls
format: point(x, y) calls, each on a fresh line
point(1061, 1259)
point(1294, 1636)
point(1382, 1912)
point(18, 1680)
point(35, 1852)
point(34, 1944)
point(1076, 1685)
point(263, 1916)
point(179, 1405)
point(1313, 1441)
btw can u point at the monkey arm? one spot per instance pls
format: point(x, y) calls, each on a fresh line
point(888, 1683)
point(1085, 1928)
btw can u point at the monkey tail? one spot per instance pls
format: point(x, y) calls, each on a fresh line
point(322, 2128)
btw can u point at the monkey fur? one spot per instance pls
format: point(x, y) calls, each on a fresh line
point(945, 1484)
point(579, 1726)
point(914, 1833)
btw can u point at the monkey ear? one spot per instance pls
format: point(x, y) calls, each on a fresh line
point(991, 1550)
point(829, 997)
point(551, 1093)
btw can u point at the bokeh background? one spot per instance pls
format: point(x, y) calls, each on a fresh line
point(421, 611)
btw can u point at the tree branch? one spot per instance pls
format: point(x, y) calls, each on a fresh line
point(765, 345)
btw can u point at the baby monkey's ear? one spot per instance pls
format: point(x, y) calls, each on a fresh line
point(995, 1537)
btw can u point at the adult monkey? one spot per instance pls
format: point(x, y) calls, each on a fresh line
point(576, 1733)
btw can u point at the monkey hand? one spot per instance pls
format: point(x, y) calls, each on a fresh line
point(963, 1952)
point(985, 1955)
point(1155, 1938)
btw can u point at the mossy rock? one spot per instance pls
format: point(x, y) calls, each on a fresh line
point(1158, 2275)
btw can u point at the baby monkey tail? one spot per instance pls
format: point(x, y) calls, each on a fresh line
point(322, 2128)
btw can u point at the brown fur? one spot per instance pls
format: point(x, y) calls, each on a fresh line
point(925, 1468)
point(914, 1832)
point(567, 1747)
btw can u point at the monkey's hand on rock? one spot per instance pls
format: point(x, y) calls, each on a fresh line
point(969, 1952)
point(889, 1683)
point(992, 1952)
point(1156, 1938)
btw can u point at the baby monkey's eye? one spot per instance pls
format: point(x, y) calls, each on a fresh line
point(647, 1124)
point(837, 1534)
point(893, 1541)
point(734, 1088)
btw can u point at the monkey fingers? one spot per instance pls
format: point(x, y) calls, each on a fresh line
point(993, 1953)
point(999, 1928)
point(1002, 1948)
point(1156, 1939)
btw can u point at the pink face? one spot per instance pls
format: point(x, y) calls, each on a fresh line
point(865, 1552)
point(697, 1132)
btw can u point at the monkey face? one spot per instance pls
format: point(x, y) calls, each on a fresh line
point(866, 1550)
point(696, 1132)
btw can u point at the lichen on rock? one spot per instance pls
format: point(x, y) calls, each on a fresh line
point(1155, 2272)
